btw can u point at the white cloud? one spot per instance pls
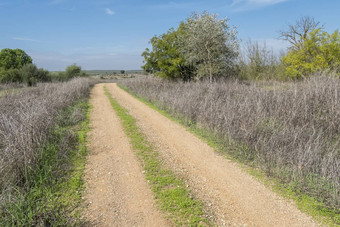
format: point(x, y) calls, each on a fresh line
point(244, 5)
point(109, 11)
point(25, 39)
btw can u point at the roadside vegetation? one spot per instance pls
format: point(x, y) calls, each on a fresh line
point(171, 193)
point(42, 135)
point(206, 47)
point(287, 130)
point(277, 114)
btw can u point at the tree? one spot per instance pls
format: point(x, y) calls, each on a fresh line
point(319, 51)
point(13, 58)
point(210, 44)
point(298, 32)
point(165, 59)
point(201, 46)
point(122, 71)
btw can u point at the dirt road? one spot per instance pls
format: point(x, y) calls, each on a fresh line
point(116, 192)
point(234, 196)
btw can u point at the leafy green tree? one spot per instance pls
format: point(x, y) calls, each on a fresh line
point(319, 51)
point(13, 58)
point(201, 46)
point(210, 44)
point(165, 59)
point(122, 71)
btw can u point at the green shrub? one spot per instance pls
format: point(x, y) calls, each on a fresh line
point(72, 71)
point(31, 74)
point(10, 76)
point(260, 63)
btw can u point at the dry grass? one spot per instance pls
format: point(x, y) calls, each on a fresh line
point(290, 130)
point(26, 119)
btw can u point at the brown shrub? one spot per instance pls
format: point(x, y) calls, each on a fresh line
point(290, 130)
point(25, 121)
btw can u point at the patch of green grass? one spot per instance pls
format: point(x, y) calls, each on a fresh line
point(171, 193)
point(305, 203)
point(52, 195)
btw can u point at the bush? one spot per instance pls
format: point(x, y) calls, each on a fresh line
point(10, 76)
point(259, 63)
point(70, 72)
point(30, 74)
point(73, 71)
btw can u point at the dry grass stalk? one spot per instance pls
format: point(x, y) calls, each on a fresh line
point(290, 130)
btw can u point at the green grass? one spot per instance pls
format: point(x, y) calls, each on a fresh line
point(170, 192)
point(305, 203)
point(52, 195)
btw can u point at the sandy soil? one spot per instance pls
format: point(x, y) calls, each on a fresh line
point(235, 197)
point(116, 191)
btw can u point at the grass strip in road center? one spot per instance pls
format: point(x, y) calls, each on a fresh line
point(171, 193)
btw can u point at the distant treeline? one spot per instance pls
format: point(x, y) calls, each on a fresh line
point(110, 72)
point(17, 67)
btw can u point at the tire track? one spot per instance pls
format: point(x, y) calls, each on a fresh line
point(235, 197)
point(116, 191)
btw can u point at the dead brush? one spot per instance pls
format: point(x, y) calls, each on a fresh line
point(290, 130)
point(26, 118)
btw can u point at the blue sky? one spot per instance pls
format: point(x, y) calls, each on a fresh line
point(112, 34)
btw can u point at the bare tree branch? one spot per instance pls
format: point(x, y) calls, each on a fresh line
point(297, 33)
